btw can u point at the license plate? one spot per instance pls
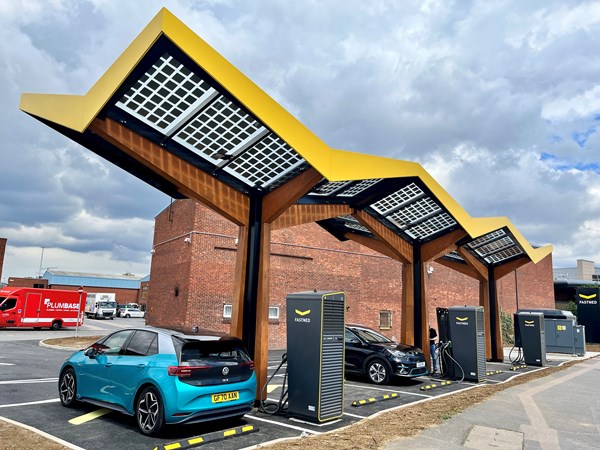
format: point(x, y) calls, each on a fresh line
point(225, 397)
point(421, 364)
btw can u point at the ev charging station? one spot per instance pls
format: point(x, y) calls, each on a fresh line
point(315, 355)
point(462, 342)
point(588, 312)
point(530, 336)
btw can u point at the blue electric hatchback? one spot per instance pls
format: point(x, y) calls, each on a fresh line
point(162, 376)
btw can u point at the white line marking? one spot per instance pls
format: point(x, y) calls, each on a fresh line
point(54, 400)
point(42, 433)
point(285, 425)
point(37, 380)
point(387, 390)
point(355, 415)
point(6, 364)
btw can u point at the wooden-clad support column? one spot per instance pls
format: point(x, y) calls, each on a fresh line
point(495, 330)
point(237, 313)
point(421, 322)
point(261, 350)
point(407, 327)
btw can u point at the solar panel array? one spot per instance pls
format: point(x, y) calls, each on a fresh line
point(175, 101)
point(495, 247)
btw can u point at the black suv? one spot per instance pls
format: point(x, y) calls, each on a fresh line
point(374, 355)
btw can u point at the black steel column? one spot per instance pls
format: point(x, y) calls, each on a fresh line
point(418, 294)
point(493, 312)
point(252, 273)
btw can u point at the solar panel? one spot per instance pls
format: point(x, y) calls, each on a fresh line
point(504, 255)
point(269, 160)
point(165, 93)
point(494, 246)
point(397, 199)
point(329, 188)
point(486, 238)
point(431, 226)
point(414, 212)
point(218, 131)
point(357, 188)
point(351, 222)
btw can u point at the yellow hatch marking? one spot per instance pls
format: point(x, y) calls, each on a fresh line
point(302, 313)
point(89, 416)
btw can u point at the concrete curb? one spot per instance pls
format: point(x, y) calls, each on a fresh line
point(58, 347)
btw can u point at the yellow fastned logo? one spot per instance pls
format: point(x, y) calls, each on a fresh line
point(302, 314)
point(588, 299)
point(529, 323)
point(462, 321)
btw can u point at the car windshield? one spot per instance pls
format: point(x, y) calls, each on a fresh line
point(107, 305)
point(370, 336)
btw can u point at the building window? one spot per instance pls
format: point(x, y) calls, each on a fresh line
point(273, 312)
point(38, 285)
point(385, 320)
point(227, 309)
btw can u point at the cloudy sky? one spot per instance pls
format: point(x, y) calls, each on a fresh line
point(498, 100)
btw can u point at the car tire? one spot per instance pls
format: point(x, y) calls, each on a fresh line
point(127, 316)
point(56, 325)
point(149, 411)
point(67, 388)
point(378, 371)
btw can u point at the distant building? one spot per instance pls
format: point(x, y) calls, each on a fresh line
point(128, 289)
point(568, 279)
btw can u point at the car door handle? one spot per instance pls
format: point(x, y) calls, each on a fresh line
point(108, 365)
point(141, 365)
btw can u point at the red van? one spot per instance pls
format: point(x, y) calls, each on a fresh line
point(37, 308)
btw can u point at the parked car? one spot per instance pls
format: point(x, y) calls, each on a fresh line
point(162, 376)
point(373, 355)
point(128, 312)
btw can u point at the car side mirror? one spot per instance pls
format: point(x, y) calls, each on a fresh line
point(354, 341)
point(92, 352)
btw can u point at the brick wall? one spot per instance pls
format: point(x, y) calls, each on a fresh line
point(191, 282)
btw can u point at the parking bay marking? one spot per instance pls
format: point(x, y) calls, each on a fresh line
point(386, 390)
point(89, 416)
point(285, 425)
point(34, 380)
point(54, 400)
point(6, 364)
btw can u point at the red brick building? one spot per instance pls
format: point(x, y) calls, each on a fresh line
point(192, 275)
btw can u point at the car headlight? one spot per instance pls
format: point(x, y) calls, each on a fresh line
point(397, 353)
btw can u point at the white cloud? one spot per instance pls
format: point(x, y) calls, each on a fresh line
point(475, 91)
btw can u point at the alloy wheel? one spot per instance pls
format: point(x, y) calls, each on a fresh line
point(148, 411)
point(377, 372)
point(67, 388)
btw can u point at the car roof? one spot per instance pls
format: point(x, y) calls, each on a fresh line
point(191, 333)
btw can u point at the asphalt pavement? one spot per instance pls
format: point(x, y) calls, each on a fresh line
point(561, 411)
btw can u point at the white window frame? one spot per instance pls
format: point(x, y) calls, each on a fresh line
point(274, 309)
point(227, 311)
